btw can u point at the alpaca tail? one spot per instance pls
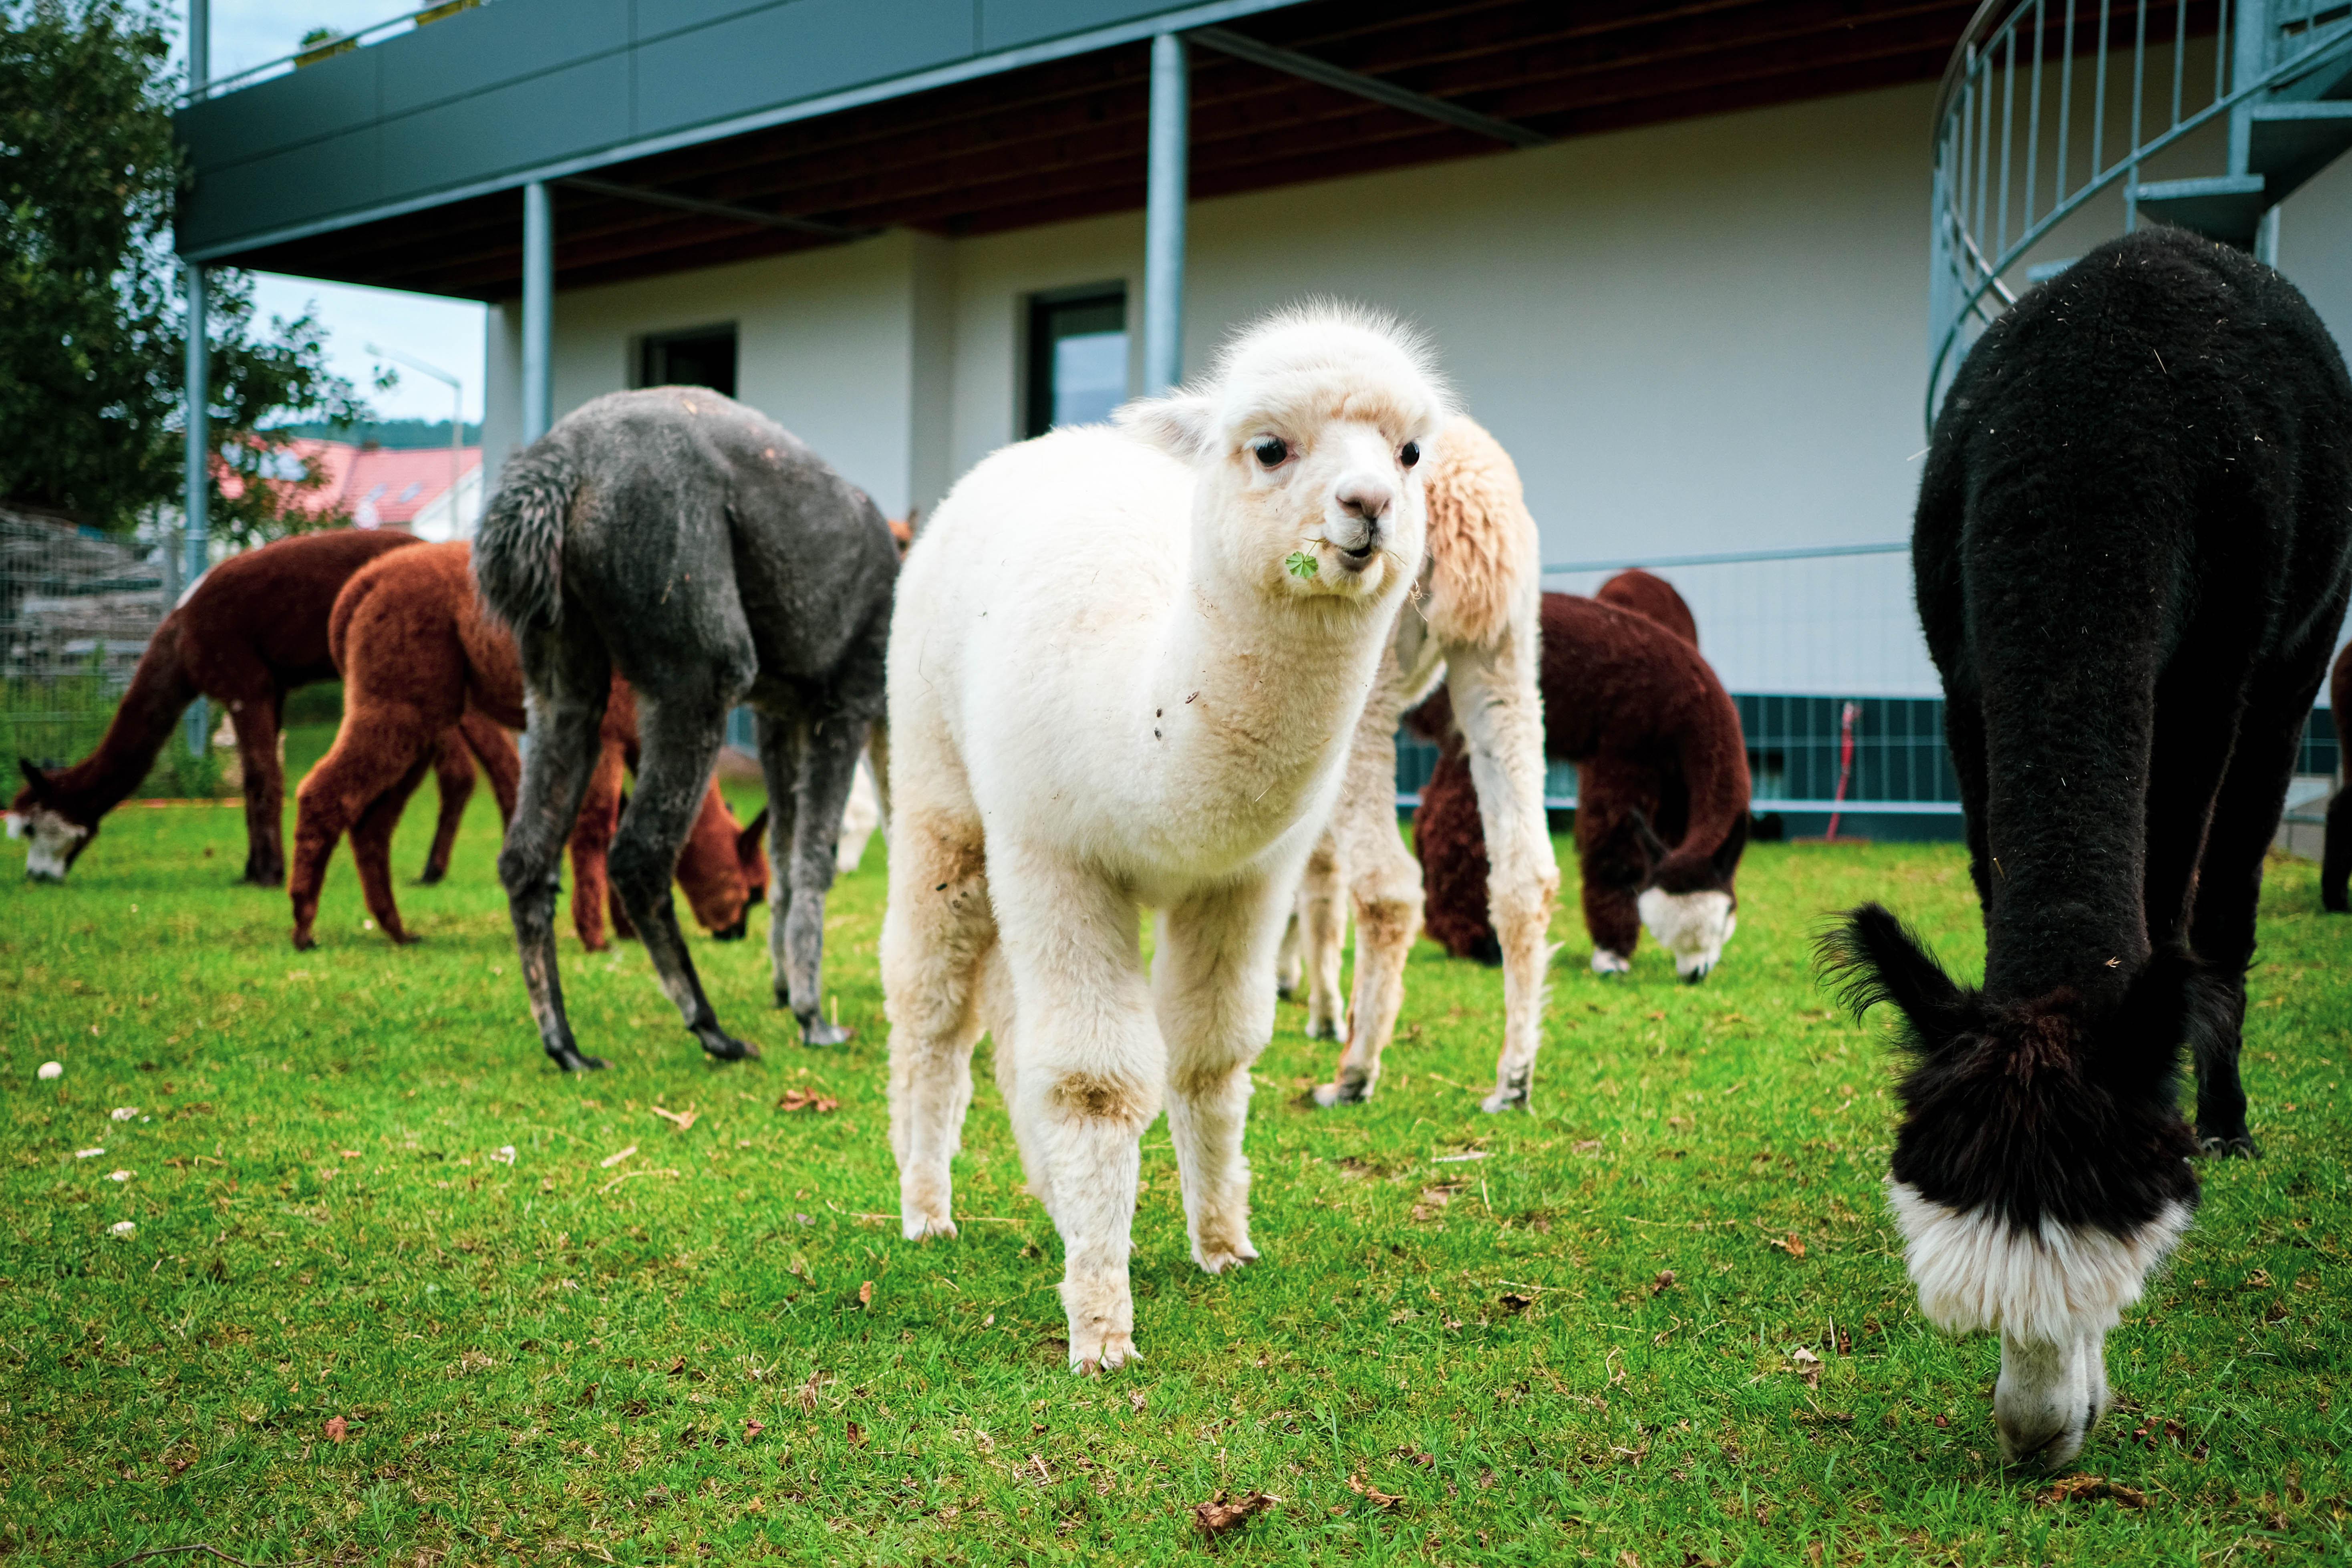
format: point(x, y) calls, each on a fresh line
point(519, 551)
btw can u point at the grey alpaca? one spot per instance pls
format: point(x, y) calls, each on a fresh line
point(690, 543)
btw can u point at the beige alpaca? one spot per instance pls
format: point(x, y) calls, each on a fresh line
point(1125, 671)
point(1475, 629)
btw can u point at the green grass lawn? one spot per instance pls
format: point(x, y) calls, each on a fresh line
point(1583, 1345)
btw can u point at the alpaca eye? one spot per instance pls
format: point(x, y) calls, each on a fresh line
point(1271, 451)
point(1408, 454)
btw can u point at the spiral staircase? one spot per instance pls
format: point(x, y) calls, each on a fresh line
point(2050, 110)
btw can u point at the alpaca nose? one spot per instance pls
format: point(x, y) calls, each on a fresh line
point(1367, 498)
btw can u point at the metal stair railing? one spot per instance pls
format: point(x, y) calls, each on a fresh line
point(2026, 132)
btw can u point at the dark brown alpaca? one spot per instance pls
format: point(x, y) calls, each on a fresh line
point(1645, 595)
point(1661, 791)
point(418, 655)
point(253, 630)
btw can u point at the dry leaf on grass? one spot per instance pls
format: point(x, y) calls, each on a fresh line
point(865, 1294)
point(1219, 1515)
point(609, 1160)
point(856, 1436)
point(1792, 1244)
point(1373, 1494)
point(2090, 1489)
point(1664, 1281)
point(752, 1429)
point(1512, 1301)
point(807, 1099)
point(682, 1119)
point(1135, 1400)
point(337, 1429)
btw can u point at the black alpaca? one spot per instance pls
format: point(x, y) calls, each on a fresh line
point(689, 543)
point(2132, 556)
point(2336, 858)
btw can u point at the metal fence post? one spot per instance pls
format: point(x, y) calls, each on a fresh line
point(1163, 217)
point(197, 462)
point(538, 311)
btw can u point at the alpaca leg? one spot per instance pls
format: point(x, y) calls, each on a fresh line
point(1385, 880)
point(453, 771)
point(372, 753)
point(813, 772)
point(2229, 888)
point(1090, 1075)
point(1323, 930)
point(1208, 980)
point(1290, 958)
point(491, 746)
point(562, 755)
point(1611, 867)
point(1501, 714)
point(372, 850)
point(2336, 858)
point(1450, 842)
point(254, 719)
point(937, 935)
point(680, 737)
point(591, 845)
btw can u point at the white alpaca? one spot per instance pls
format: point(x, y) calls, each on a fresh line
point(1125, 670)
point(1475, 628)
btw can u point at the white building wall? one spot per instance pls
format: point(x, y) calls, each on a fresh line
point(1696, 337)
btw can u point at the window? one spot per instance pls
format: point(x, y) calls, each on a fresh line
point(1078, 356)
point(703, 357)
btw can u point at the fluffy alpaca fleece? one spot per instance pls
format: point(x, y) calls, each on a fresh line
point(2336, 860)
point(1475, 629)
point(1125, 670)
point(2133, 550)
point(1661, 791)
point(418, 658)
point(251, 630)
point(693, 547)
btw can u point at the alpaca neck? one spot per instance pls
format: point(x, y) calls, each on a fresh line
point(160, 691)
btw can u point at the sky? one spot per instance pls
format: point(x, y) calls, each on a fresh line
point(443, 332)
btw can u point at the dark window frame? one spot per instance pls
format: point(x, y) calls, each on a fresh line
point(1039, 337)
point(654, 349)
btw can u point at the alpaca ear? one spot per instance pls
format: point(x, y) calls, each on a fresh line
point(1726, 859)
point(2174, 999)
point(1181, 424)
point(1871, 957)
point(34, 779)
point(1654, 848)
point(752, 854)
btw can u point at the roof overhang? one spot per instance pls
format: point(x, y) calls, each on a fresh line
point(710, 131)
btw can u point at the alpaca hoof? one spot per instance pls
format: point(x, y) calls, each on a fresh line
point(729, 933)
point(816, 1032)
point(1223, 1259)
point(571, 1060)
point(1333, 1029)
point(1511, 1095)
point(1607, 964)
point(723, 1047)
point(2239, 1145)
point(1349, 1088)
point(1487, 949)
point(2334, 902)
point(401, 937)
point(433, 874)
point(923, 1226)
point(304, 942)
point(1108, 1353)
point(1694, 977)
point(263, 878)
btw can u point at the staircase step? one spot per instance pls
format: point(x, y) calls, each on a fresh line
point(2330, 77)
point(2293, 142)
point(2226, 208)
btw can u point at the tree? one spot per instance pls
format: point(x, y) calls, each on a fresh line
point(92, 319)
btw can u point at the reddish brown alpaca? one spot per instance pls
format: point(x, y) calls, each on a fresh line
point(416, 654)
point(1645, 595)
point(1660, 761)
point(254, 630)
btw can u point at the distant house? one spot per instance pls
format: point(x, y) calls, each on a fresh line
point(386, 486)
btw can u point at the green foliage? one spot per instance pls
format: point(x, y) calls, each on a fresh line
point(666, 1359)
point(1300, 563)
point(92, 328)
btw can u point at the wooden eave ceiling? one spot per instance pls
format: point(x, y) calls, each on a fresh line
point(1065, 140)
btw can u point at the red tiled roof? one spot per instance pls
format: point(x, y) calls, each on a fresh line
point(376, 485)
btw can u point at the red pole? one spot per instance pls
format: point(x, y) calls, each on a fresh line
point(1845, 765)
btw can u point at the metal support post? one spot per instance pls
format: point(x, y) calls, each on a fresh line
point(2266, 238)
point(1163, 217)
point(538, 311)
point(197, 462)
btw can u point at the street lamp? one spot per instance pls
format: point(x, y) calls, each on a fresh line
point(456, 420)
